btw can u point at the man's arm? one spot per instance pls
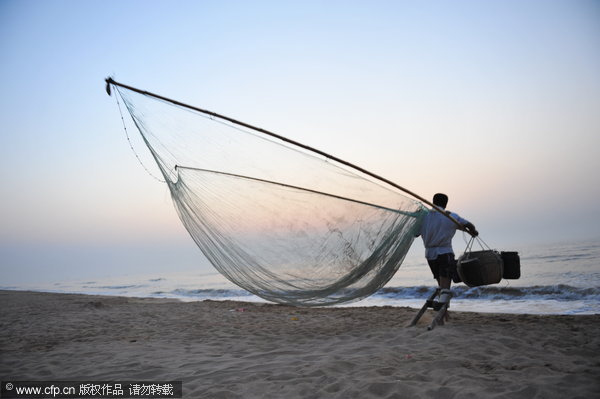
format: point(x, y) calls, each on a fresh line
point(466, 225)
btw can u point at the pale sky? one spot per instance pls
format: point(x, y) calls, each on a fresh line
point(496, 103)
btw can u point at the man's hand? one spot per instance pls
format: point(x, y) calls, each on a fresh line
point(470, 228)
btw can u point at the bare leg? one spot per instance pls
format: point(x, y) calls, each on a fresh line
point(444, 282)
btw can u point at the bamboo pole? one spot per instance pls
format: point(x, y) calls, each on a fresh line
point(111, 81)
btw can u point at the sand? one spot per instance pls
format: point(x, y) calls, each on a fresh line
point(223, 349)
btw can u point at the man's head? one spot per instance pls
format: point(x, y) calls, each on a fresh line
point(440, 200)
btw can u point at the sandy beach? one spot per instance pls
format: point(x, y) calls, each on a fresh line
point(223, 349)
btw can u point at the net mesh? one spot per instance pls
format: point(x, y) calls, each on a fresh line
point(281, 222)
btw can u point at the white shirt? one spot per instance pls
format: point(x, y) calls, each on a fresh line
point(437, 232)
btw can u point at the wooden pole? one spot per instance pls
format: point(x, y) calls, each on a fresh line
point(111, 81)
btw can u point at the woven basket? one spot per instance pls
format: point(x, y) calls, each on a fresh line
point(480, 268)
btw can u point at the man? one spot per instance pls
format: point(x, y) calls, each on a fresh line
point(437, 232)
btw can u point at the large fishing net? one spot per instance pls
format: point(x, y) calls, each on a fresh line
point(283, 222)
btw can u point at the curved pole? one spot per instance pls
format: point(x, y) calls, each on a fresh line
point(111, 81)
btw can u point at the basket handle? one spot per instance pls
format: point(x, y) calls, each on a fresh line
point(481, 243)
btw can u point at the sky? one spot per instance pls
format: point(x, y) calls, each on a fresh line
point(496, 103)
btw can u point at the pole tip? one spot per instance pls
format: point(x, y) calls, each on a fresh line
point(108, 81)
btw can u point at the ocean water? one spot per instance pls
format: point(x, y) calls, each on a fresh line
point(558, 278)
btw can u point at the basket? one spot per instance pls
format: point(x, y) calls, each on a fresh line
point(478, 268)
point(512, 265)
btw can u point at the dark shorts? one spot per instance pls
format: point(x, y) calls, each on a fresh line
point(443, 266)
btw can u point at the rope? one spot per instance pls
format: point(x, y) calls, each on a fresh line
point(481, 243)
point(131, 144)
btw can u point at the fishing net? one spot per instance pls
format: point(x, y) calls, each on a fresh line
point(284, 223)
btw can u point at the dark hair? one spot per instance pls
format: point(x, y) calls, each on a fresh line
point(440, 200)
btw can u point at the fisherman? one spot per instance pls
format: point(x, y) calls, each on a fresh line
point(437, 231)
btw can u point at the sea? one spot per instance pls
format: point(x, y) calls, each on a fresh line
point(558, 278)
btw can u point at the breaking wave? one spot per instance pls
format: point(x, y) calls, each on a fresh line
point(559, 292)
